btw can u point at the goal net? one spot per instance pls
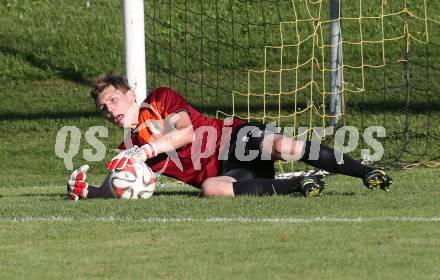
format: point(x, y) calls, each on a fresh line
point(269, 61)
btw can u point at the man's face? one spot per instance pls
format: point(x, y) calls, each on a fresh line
point(119, 107)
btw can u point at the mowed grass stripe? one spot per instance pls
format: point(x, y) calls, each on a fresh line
point(226, 219)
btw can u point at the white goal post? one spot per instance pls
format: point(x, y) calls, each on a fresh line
point(135, 65)
point(335, 62)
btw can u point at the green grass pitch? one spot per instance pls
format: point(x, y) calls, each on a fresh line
point(48, 52)
point(348, 233)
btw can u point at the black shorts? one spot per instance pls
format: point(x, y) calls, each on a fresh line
point(250, 141)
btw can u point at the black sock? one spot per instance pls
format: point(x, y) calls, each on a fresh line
point(101, 192)
point(262, 187)
point(327, 160)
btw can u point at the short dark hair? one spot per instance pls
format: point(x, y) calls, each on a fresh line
point(99, 83)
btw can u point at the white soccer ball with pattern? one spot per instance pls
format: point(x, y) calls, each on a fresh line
point(134, 181)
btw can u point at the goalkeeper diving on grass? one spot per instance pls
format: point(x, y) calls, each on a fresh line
point(227, 158)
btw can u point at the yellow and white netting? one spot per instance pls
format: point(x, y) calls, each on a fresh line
point(292, 86)
point(270, 61)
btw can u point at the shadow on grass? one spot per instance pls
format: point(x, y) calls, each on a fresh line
point(177, 193)
point(29, 116)
point(187, 193)
point(334, 193)
point(17, 116)
point(65, 73)
point(61, 195)
point(191, 193)
point(367, 107)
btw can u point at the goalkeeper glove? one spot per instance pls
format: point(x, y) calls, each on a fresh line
point(77, 185)
point(127, 157)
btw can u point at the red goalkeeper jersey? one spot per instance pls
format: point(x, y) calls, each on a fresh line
point(187, 163)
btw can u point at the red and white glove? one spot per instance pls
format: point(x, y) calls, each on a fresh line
point(77, 185)
point(127, 157)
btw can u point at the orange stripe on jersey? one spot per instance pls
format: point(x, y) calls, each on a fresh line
point(160, 104)
point(150, 123)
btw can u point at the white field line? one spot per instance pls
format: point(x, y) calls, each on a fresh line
point(291, 220)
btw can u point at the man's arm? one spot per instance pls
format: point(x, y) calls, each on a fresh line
point(178, 132)
point(78, 188)
point(104, 191)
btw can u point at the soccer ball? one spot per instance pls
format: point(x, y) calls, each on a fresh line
point(134, 181)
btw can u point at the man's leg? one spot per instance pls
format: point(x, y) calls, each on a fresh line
point(218, 186)
point(255, 177)
point(306, 185)
point(323, 157)
point(229, 186)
